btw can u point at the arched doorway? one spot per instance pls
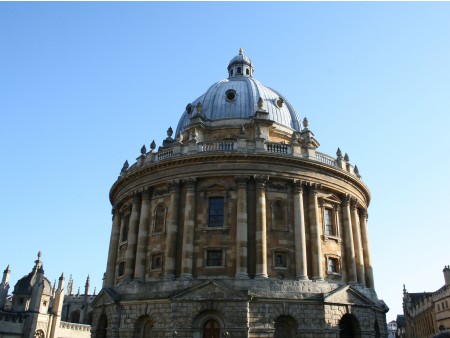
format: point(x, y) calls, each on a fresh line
point(211, 329)
point(101, 327)
point(144, 327)
point(285, 326)
point(376, 328)
point(349, 327)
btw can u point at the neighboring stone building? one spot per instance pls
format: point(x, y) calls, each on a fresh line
point(35, 307)
point(427, 313)
point(239, 227)
point(392, 328)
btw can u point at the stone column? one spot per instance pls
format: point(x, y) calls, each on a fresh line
point(144, 224)
point(301, 267)
point(261, 235)
point(366, 249)
point(113, 247)
point(130, 254)
point(241, 228)
point(358, 245)
point(349, 246)
point(316, 243)
point(172, 228)
point(188, 230)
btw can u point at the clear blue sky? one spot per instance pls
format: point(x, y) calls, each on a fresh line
point(84, 85)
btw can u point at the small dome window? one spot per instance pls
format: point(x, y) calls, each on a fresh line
point(247, 71)
point(279, 102)
point(239, 70)
point(189, 108)
point(230, 95)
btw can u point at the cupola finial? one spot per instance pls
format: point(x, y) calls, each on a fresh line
point(241, 51)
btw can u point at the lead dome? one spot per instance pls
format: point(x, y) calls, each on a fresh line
point(239, 97)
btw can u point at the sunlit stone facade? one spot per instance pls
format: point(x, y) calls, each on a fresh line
point(237, 226)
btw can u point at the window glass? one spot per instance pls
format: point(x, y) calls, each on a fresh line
point(329, 228)
point(156, 261)
point(216, 206)
point(214, 258)
point(280, 259)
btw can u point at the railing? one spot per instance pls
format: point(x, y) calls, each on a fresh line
point(163, 154)
point(11, 317)
point(277, 148)
point(75, 326)
point(218, 146)
point(326, 159)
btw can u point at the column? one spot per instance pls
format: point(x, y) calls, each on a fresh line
point(188, 230)
point(130, 254)
point(349, 246)
point(301, 267)
point(241, 228)
point(113, 247)
point(144, 223)
point(172, 228)
point(316, 243)
point(358, 244)
point(366, 249)
point(261, 235)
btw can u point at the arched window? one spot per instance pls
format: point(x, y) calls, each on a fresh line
point(124, 235)
point(349, 327)
point(285, 326)
point(75, 316)
point(211, 329)
point(160, 219)
point(239, 70)
point(102, 326)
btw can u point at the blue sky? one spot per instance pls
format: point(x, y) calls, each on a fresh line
point(84, 85)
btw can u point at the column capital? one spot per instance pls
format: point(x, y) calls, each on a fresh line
point(174, 185)
point(190, 183)
point(354, 203)
point(242, 181)
point(298, 186)
point(147, 194)
point(346, 200)
point(136, 197)
point(261, 181)
point(363, 213)
point(314, 187)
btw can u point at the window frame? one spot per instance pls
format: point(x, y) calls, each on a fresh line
point(282, 226)
point(333, 207)
point(285, 253)
point(153, 255)
point(163, 230)
point(215, 192)
point(337, 265)
point(214, 249)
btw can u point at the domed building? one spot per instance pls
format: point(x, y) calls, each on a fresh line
point(238, 227)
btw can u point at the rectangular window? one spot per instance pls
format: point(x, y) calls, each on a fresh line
point(329, 224)
point(216, 207)
point(121, 269)
point(332, 264)
point(156, 261)
point(214, 258)
point(280, 259)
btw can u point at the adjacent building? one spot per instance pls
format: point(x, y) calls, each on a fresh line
point(38, 310)
point(427, 313)
point(238, 226)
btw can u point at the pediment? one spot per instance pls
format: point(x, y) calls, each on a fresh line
point(215, 187)
point(330, 198)
point(105, 296)
point(210, 291)
point(348, 295)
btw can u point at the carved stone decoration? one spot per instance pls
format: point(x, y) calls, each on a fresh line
point(169, 133)
point(143, 150)
point(199, 108)
point(305, 123)
point(260, 103)
point(261, 181)
point(339, 153)
point(346, 157)
point(189, 108)
point(356, 170)
point(125, 166)
point(258, 132)
point(180, 137)
point(153, 145)
point(242, 131)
